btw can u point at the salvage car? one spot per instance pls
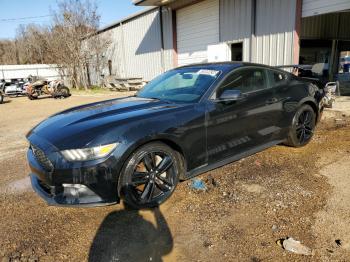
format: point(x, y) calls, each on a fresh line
point(185, 122)
point(55, 88)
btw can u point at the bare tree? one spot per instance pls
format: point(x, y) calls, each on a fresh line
point(32, 44)
point(73, 21)
point(7, 52)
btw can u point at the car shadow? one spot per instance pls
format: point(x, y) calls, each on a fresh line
point(125, 235)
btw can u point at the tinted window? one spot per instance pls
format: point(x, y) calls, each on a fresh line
point(277, 78)
point(246, 80)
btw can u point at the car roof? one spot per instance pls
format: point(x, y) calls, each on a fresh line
point(226, 66)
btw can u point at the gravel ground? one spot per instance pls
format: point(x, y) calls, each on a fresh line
point(249, 205)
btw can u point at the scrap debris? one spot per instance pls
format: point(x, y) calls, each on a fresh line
point(294, 246)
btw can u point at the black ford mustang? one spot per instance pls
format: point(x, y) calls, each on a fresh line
point(185, 122)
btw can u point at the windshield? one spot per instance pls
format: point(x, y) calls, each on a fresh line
point(180, 85)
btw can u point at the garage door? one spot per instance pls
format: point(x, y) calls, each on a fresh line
point(197, 27)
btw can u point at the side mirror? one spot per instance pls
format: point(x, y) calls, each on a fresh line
point(231, 95)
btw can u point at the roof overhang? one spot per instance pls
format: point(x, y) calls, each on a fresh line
point(152, 2)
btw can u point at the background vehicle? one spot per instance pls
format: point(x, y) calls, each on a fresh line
point(54, 88)
point(13, 87)
point(316, 75)
point(183, 123)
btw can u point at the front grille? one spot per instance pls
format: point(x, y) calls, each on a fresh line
point(42, 158)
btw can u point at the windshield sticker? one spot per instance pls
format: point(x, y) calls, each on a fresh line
point(208, 72)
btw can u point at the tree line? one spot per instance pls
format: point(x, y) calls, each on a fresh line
point(61, 42)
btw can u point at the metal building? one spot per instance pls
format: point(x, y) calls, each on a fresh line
point(274, 32)
point(141, 46)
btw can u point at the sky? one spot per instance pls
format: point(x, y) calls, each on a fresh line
point(16, 12)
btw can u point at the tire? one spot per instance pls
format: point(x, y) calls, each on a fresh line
point(30, 97)
point(302, 127)
point(63, 91)
point(142, 184)
point(1, 98)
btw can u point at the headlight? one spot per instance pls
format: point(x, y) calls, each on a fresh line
point(85, 154)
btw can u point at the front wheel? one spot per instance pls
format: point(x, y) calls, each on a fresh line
point(1, 98)
point(150, 175)
point(302, 127)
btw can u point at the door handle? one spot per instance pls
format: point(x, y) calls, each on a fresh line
point(271, 101)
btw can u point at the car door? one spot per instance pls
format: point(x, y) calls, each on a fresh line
point(285, 101)
point(234, 127)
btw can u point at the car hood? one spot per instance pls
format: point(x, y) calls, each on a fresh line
point(83, 125)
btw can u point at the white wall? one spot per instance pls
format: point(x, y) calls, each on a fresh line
point(50, 72)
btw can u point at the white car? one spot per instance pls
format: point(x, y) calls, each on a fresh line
point(13, 89)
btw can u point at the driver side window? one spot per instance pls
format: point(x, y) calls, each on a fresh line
point(245, 80)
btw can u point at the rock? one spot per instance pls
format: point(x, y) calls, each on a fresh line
point(16, 255)
point(211, 181)
point(295, 246)
point(33, 258)
point(338, 242)
point(274, 228)
point(208, 244)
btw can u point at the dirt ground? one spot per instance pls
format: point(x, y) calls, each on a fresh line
point(250, 204)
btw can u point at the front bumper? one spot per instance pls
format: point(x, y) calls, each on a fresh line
point(69, 195)
point(74, 184)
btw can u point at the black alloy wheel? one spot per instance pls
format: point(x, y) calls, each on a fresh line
point(150, 176)
point(303, 127)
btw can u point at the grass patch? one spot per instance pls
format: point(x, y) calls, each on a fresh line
point(91, 90)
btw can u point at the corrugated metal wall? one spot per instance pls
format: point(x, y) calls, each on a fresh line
point(317, 7)
point(168, 54)
point(274, 32)
point(236, 23)
point(142, 45)
point(136, 48)
point(328, 26)
point(272, 43)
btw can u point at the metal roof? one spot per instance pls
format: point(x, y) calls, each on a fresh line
point(152, 2)
point(130, 17)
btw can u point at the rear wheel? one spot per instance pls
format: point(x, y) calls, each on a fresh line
point(303, 127)
point(1, 98)
point(32, 97)
point(63, 91)
point(150, 176)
